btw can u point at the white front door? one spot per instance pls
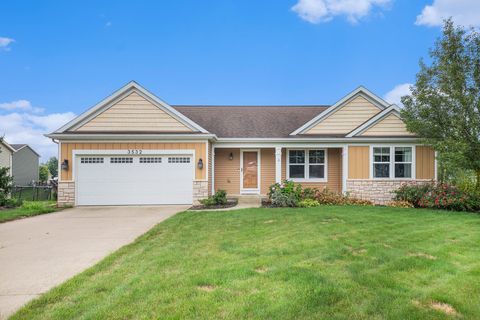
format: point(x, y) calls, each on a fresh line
point(133, 180)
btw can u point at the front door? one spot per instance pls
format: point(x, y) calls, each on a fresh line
point(250, 171)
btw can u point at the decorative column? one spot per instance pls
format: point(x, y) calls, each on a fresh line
point(278, 164)
point(344, 168)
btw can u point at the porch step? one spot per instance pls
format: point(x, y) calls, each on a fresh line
point(252, 200)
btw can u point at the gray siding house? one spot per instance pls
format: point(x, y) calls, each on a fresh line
point(24, 165)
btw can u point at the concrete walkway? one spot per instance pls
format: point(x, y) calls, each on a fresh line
point(41, 252)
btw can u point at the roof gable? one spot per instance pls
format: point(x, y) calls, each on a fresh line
point(7, 146)
point(386, 123)
point(345, 115)
point(132, 108)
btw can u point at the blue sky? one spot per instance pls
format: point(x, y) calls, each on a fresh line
point(58, 58)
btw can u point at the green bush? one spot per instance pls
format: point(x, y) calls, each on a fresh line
point(308, 203)
point(283, 199)
point(12, 202)
point(309, 193)
point(219, 198)
point(287, 187)
point(411, 192)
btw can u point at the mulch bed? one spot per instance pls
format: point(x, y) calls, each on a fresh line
point(230, 203)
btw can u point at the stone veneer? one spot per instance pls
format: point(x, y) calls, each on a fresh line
point(200, 190)
point(66, 194)
point(377, 191)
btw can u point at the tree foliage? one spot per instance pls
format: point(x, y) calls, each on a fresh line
point(52, 164)
point(443, 108)
point(43, 173)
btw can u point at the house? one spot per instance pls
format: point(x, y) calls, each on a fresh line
point(24, 165)
point(6, 152)
point(132, 148)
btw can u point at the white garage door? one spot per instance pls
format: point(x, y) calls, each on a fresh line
point(134, 180)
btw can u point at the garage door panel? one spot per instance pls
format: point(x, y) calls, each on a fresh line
point(134, 180)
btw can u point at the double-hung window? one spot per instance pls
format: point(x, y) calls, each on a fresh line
point(392, 162)
point(306, 164)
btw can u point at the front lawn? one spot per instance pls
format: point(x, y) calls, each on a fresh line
point(28, 209)
point(318, 263)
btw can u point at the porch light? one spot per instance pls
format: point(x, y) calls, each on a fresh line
point(65, 164)
point(230, 157)
point(200, 164)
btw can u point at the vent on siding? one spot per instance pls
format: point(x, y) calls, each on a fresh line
point(121, 160)
point(150, 160)
point(91, 160)
point(178, 160)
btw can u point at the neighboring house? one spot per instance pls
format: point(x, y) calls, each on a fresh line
point(25, 165)
point(133, 148)
point(6, 152)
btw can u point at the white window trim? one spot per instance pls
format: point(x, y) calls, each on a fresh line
point(392, 161)
point(307, 164)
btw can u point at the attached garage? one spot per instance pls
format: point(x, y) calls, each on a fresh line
point(147, 179)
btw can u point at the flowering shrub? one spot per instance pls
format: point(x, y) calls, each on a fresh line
point(285, 194)
point(438, 196)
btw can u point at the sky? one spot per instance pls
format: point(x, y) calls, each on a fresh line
point(59, 58)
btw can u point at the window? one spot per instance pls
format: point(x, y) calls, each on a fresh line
point(178, 160)
point(150, 160)
point(403, 162)
point(392, 162)
point(381, 162)
point(91, 160)
point(121, 160)
point(306, 164)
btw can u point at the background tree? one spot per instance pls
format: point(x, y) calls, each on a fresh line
point(5, 182)
point(43, 173)
point(52, 164)
point(443, 108)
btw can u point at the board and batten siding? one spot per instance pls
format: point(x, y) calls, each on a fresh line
point(67, 152)
point(425, 163)
point(134, 113)
point(358, 162)
point(391, 125)
point(346, 118)
point(334, 171)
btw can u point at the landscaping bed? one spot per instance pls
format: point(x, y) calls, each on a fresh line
point(229, 204)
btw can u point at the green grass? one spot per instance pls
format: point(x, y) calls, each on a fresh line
point(27, 209)
point(318, 263)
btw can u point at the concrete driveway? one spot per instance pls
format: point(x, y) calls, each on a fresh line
point(41, 252)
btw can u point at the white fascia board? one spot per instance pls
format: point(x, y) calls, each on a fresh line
point(132, 85)
point(382, 104)
point(130, 137)
point(375, 119)
point(9, 147)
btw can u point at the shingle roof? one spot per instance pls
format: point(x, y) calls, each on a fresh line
point(17, 146)
point(251, 121)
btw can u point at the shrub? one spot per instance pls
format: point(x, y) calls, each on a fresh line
point(219, 198)
point(357, 202)
point(309, 193)
point(411, 192)
point(328, 197)
point(308, 203)
point(399, 204)
point(283, 199)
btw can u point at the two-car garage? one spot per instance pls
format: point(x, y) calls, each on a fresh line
point(133, 179)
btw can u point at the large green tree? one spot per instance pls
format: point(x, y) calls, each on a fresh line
point(443, 108)
point(52, 164)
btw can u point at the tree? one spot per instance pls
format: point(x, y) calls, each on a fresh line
point(443, 108)
point(43, 173)
point(52, 164)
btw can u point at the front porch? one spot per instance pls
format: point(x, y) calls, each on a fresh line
point(242, 171)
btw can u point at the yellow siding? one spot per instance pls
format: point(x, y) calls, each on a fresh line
point(334, 171)
point(389, 126)
point(347, 117)
point(67, 148)
point(425, 163)
point(134, 113)
point(227, 172)
point(358, 162)
point(267, 170)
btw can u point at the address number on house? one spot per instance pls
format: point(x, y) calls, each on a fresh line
point(135, 151)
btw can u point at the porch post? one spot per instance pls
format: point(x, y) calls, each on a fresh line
point(344, 168)
point(278, 164)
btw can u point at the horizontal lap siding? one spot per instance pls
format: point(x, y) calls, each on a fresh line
point(334, 171)
point(134, 113)
point(425, 162)
point(227, 172)
point(67, 152)
point(390, 126)
point(267, 169)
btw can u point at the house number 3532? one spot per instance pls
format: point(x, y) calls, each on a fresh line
point(134, 151)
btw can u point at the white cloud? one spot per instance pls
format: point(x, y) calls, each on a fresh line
point(316, 11)
point(27, 127)
point(464, 12)
point(23, 105)
point(4, 43)
point(394, 96)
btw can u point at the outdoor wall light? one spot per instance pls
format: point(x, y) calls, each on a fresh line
point(200, 164)
point(230, 156)
point(65, 164)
